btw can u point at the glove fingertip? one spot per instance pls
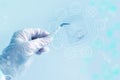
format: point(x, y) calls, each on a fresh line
point(45, 33)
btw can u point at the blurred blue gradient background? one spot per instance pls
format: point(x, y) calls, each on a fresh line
point(95, 57)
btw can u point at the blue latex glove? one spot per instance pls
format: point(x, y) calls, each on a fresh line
point(23, 45)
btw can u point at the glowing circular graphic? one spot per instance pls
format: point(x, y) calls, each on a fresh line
point(81, 30)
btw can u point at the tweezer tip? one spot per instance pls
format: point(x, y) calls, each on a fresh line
point(63, 24)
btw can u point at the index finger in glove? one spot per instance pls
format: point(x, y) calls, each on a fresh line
point(29, 34)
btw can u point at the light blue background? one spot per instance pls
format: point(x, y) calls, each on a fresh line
point(95, 57)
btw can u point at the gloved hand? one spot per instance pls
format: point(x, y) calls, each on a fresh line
point(23, 45)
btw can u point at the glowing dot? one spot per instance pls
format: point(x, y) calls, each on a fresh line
point(95, 77)
point(109, 33)
point(97, 44)
point(112, 46)
point(113, 8)
point(116, 71)
point(92, 3)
